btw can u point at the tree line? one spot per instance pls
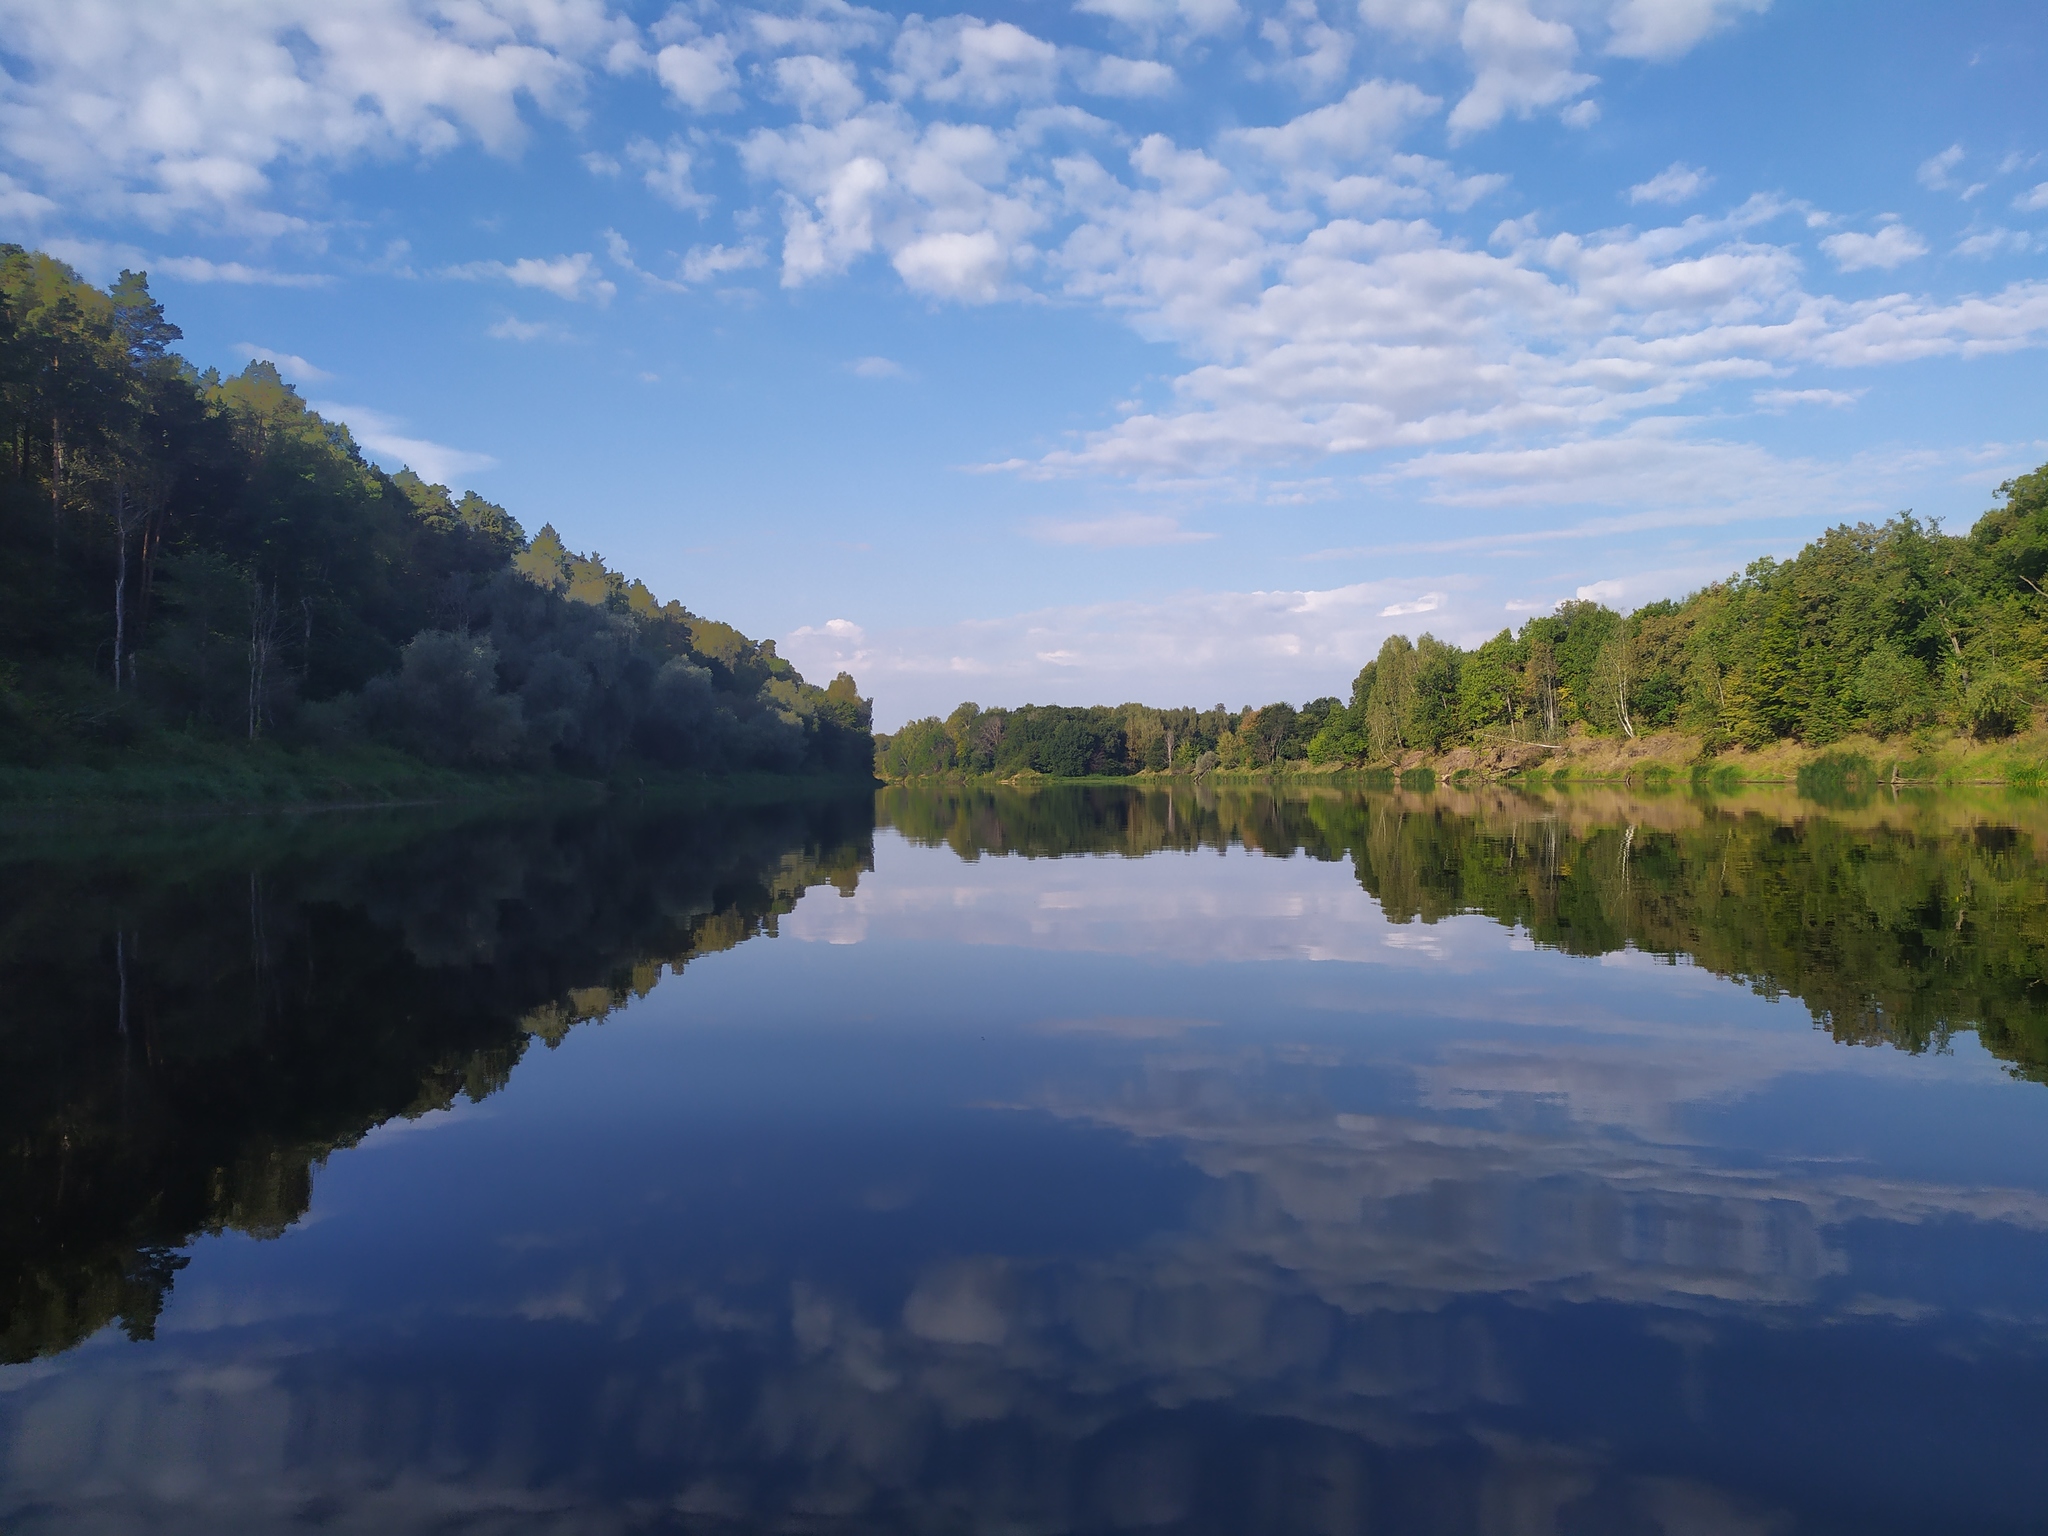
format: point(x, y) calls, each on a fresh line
point(1884, 630)
point(188, 555)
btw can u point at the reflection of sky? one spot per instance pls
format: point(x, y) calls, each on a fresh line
point(1070, 1194)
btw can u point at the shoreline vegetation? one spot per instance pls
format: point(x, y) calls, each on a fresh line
point(209, 597)
point(1888, 652)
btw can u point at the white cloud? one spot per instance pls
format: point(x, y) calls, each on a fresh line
point(385, 439)
point(977, 63)
point(2034, 201)
point(20, 206)
point(198, 269)
point(1892, 246)
point(1153, 19)
point(954, 265)
point(1371, 117)
point(1993, 241)
point(1125, 530)
point(1111, 75)
point(1664, 29)
point(701, 263)
point(181, 110)
point(823, 90)
point(699, 74)
point(1934, 170)
point(1427, 19)
point(877, 368)
point(1429, 602)
point(289, 364)
point(1782, 399)
point(665, 170)
point(566, 277)
point(1609, 592)
point(1521, 63)
point(939, 200)
point(510, 328)
point(1676, 183)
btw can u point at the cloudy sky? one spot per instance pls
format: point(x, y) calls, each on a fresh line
point(1163, 349)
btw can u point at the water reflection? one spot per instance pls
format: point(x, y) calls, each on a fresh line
point(1165, 1192)
point(1895, 921)
point(196, 1019)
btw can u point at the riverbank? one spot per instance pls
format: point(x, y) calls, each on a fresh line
point(203, 777)
point(1928, 760)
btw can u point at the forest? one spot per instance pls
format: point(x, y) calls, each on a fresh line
point(187, 557)
point(1890, 630)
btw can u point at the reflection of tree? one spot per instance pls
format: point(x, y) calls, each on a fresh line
point(193, 1024)
point(1897, 929)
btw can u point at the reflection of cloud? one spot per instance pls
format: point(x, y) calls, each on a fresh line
point(1126, 1026)
point(1170, 905)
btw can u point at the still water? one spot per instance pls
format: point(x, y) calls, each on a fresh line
point(1077, 1161)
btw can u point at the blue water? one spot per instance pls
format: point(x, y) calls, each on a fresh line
point(1182, 1192)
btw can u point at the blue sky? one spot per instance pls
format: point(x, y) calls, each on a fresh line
point(1163, 349)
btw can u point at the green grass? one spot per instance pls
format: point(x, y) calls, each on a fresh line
point(188, 774)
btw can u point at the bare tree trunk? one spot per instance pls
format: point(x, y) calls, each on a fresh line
point(56, 480)
point(262, 649)
point(121, 530)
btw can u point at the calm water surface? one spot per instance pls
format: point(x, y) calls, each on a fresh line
point(1080, 1161)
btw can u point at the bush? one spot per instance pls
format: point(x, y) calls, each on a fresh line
point(443, 703)
point(1996, 705)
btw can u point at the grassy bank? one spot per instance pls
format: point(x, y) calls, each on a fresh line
point(191, 775)
point(1930, 759)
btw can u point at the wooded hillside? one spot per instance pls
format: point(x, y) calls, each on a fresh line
point(186, 555)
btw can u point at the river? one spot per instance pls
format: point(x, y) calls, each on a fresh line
point(1071, 1160)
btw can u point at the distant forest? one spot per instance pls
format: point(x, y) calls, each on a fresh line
point(1888, 630)
point(184, 555)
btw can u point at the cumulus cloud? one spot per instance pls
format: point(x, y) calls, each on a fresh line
point(181, 110)
point(1934, 170)
point(954, 265)
point(1156, 19)
point(1371, 117)
point(702, 263)
point(700, 74)
point(1521, 63)
point(1676, 183)
point(1111, 75)
point(511, 328)
point(1429, 602)
point(877, 368)
point(20, 206)
point(1783, 399)
point(1892, 246)
point(823, 90)
point(566, 277)
point(665, 171)
point(385, 438)
point(1664, 29)
point(289, 364)
point(977, 63)
point(1997, 241)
